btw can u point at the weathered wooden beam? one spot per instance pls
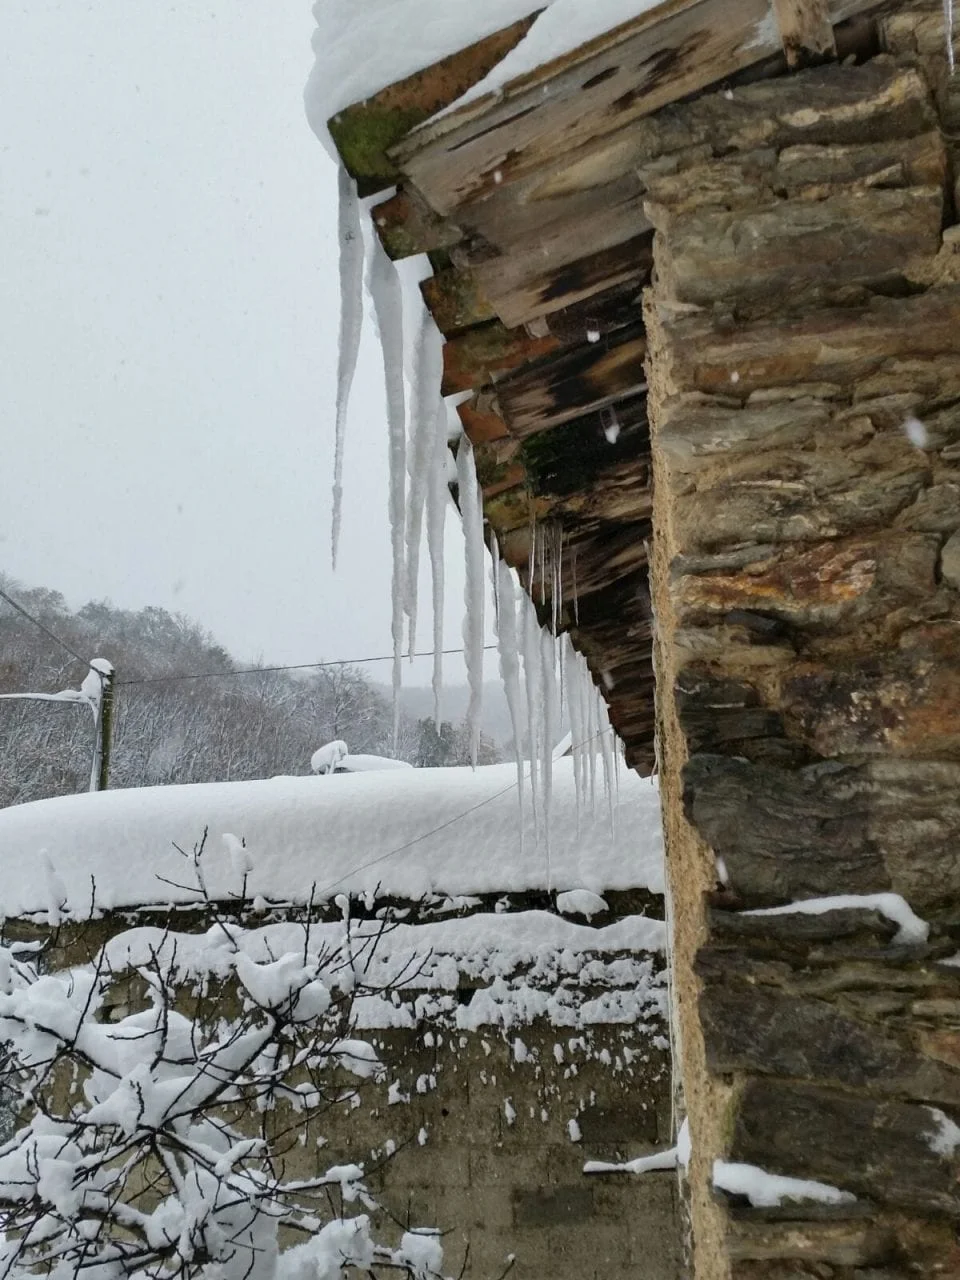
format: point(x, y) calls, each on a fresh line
point(806, 31)
point(668, 53)
point(456, 300)
point(518, 283)
point(625, 265)
point(487, 352)
point(408, 226)
point(484, 353)
point(364, 132)
point(480, 420)
point(592, 377)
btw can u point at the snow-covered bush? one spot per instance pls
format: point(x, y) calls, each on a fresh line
point(155, 1132)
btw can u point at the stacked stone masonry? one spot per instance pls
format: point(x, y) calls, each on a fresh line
point(708, 301)
point(491, 1114)
point(804, 364)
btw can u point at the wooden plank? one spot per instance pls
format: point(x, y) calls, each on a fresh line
point(806, 31)
point(408, 226)
point(524, 300)
point(548, 252)
point(455, 300)
point(364, 131)
point(674, 50)
point(480, 355)
point(591, 377)
point(480, 422)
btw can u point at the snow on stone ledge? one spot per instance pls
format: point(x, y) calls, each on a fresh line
point(912, 931)
point(409, 832)
point(766, 1190)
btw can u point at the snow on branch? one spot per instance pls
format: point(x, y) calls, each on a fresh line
point(156, 1144)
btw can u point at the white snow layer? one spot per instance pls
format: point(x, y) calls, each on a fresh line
point(642, 1164)
point(912, 930)
point(946, 1137)
point(765, 1190)
point(409, 832)
point(360, 46)
point(564, 25)
point(580, 902)
point(527, 965)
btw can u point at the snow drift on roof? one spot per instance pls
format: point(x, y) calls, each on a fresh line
point(408, 833)
point(361, 46)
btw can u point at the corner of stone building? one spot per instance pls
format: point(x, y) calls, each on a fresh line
point(690, 870)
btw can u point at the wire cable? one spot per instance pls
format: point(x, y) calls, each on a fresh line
point(392, 853)
point(39, 625)
point(297, 666)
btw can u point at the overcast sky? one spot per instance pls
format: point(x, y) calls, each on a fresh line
point(168, 324)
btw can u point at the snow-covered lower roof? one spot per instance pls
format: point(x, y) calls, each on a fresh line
point(406, 833)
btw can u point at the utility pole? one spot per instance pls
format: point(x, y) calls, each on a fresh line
point(96, 692)
point(100, 768)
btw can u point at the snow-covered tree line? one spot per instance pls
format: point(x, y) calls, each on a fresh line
point(250, 726)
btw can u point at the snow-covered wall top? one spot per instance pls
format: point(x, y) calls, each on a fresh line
point(360, 46)
point(406, 833)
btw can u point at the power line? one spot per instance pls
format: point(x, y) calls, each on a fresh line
point(46, 630)
point(391, 853)
point(297, 666)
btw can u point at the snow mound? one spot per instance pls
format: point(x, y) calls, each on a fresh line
point(406, 833)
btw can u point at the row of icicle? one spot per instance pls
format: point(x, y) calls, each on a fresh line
point(541, 675)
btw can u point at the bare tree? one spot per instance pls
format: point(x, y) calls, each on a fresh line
point(155, 1144)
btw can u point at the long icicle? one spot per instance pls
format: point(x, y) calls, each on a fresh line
point(608, 754)
point(427, 372)
point(948, 17)
point(384, 286)
point(574, 678)
point(548, 677)
point(350, 238)
point(509, 650)
point(473, 591)
point(533, 691)
point(438, 496)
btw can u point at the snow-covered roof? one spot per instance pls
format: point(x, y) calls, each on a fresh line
point(405, 832)
point(361, 47)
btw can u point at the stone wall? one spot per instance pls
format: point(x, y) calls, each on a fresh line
point(804, 365)
point(504, 1076)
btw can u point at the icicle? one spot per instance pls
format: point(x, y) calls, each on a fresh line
point(590, 718)
point(948, 17)
point(587, 747)
point(574, 679)
point(532, 559)
point(384, 286)
point(351, 323)
point(534, 692)
point(427, 372)
point(510, 665)
point(548, 676)
point(495, 579)
point(438, 494)
point(556, 589)
point(607, 753)
point(472, 515)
